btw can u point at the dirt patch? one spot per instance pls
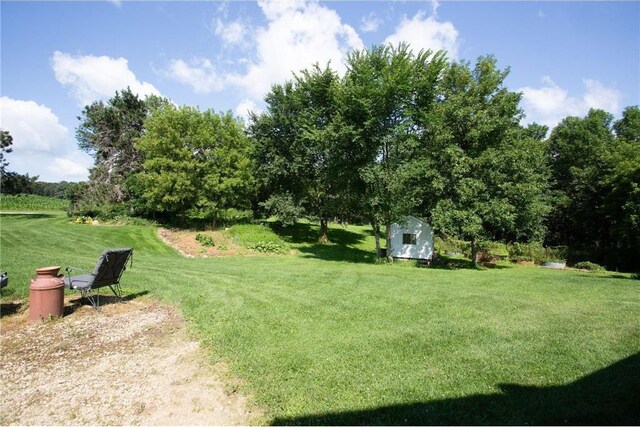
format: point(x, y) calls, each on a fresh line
point(131, 363)
point(184, 241)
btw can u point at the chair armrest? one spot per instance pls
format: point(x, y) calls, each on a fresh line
point(70, 269)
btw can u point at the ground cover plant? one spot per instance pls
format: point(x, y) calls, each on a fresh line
point(325, 336)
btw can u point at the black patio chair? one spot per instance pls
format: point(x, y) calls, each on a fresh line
point(107, 272)
point(4, 279)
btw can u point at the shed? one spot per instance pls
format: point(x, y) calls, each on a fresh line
point(411, 238)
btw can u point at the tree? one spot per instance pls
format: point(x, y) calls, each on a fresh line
point(296, 153)
point(6, 140)
point(387, 91)
point(628, 127)
point(107, 131)
point(491, 180)
point(596, 183)
point(12, 182)
point(197, 165)
point(578, 155)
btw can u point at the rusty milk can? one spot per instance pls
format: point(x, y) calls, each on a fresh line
point(46, 294)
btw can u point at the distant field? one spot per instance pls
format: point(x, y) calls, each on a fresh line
point(31, 203)
point(328, 337)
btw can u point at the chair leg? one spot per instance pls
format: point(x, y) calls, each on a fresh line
point(93, 298)
point(117, 291)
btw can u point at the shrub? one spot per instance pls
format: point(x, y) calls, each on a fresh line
point(490, 251)
point(233, 216)
point(269, 247)
point(526, 252)
point(82, 220)
point(451, 245)
point(555, 254)
point(205, 240)
point(588, 265)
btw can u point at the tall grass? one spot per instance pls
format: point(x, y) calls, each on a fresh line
point(321, 340)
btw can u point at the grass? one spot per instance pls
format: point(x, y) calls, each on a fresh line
point(328, 337)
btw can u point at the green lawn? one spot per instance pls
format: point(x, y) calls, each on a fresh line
point(328, 337)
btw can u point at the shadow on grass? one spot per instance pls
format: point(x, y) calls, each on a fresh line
point(308, 233)
point(27, 215)
point(609, 396)
point(621, 276)
point(338, 250)
point(337, 253)
point(444, 262)
point(75, 304)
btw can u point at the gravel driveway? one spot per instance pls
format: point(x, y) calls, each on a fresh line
point(130, 363)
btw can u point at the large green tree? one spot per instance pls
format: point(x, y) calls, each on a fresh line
point(387, 93)
point(489, 176)
point(298, 160)
point(107, 131)
point(596, 182)
point(197, 165)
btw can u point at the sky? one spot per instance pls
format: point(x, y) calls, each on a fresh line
point(57, 57)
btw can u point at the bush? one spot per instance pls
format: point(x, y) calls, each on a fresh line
point(269, 247)
point(526, 252)
point(491, 251)
point(588, 265)
point(205, 240)
point(283, 208)
point(451, 245)
point(82, 220)
point(233, 216)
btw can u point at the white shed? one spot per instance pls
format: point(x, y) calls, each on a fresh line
point(411, 238)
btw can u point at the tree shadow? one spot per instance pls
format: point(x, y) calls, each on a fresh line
point(27, 215)
point(308, 233)
point(337, 253)
point(609, 396)
point(340, 249)
point(444, 262)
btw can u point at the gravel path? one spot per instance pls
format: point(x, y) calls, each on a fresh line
point(130, 363)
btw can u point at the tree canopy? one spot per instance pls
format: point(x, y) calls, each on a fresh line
point(197, 165)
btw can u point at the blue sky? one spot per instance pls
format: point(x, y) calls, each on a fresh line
point(56, 57)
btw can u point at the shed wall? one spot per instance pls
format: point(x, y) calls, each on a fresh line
point(423, 249)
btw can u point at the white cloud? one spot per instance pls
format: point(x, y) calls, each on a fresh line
point(549, 104)
point(370, 23)
point(426, 33)
point(232, 33)
point(41, 145)
point(298, 34)
point(201, 75)
point(34, 127)
point(245, 107)
point(91, 78)
point(68, 169)
point(435, 5)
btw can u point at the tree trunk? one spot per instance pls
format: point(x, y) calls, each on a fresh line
point(388, 236)
point(324, 231)
point(376, 235)
point(474, 252)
